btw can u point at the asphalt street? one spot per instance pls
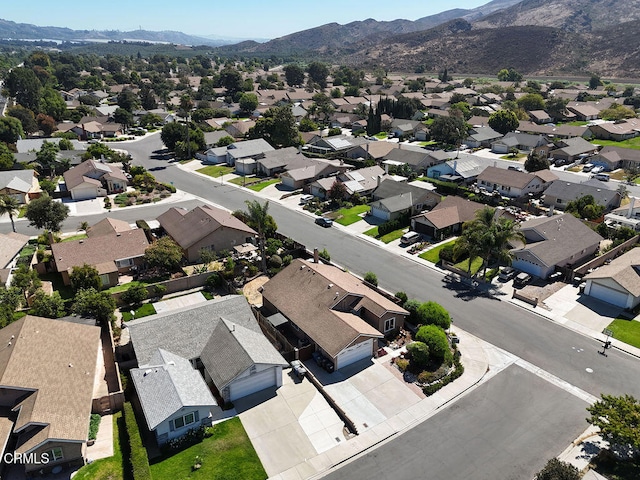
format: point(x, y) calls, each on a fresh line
point(506, 428)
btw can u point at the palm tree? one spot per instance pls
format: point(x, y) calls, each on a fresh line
point(9, 206)
point(258, 218)
point(84, 226)
point(505, 232)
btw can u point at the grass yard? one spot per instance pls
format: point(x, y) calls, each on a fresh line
point(426, 144)
point(347, 216)
point(66, 292)
point(627, 331)
point(257, 187)
point(72, 238)
point(630, 143)
point(433, 255)
point(575, 169)
point(518, 156)
point(227, 454)
point(389, 237)
point(475, 265)
point(381, 135)
point(123, 287)
point(216, 170)
point(111, 468)
point(144, 311)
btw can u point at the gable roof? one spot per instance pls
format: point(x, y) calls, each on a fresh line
point(19, 180)
point(108, 226)
point(188, 227)
point(308, 295)
point(55, 361)
point(390, 188)
point(557, 238)
point(81, 173)
point(506, 177)
point(451, 211)
point(624, 270)
point(10, 245)
point(100, 251)
point(232, 349)
point(572, 191)
point(167, 384)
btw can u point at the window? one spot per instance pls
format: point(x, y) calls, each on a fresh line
point(126, 262)
point(104, 279)
point(389, 324)
point(559, 200)
point(55, 454)
point(183, 421)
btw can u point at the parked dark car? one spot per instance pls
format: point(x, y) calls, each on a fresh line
point(507, 273)
point(325, 222)
point(521, 280)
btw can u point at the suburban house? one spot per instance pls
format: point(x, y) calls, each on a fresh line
point(20, 184)
point(512, 183)
point(113, 253)
point(627, 216)
point(571, 149)
point(92, 179)
point(520, 141)
point(247, 149)
point(464, 169)
point(556, 241)
point(617, 283)
point(277, 161)
point(313, 170)
point(556, 131)
point(583, 111)
point(333, 144)
point(362, 181)
point(612, 158)
point(10, 245)
point(240, 129)
point(540, 116)
point(331, 309)
point(205, 227)
point(372, 150)
point(48, 376)
point(446, 218)
point(618, 131)
point(561, 192)
point(173, 395)
point(482, 137)
point(222, 339)
point(409, 128)
point(392, 199)
point(418, 159)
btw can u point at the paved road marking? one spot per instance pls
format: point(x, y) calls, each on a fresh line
point(558, 382)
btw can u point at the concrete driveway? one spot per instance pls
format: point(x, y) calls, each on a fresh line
point(367, 391)
point(289, 425)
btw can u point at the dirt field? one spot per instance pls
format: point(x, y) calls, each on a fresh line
point(250, 290)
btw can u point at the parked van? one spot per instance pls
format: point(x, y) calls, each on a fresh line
point(603, 177)
point(304, 199)
point(410, 238)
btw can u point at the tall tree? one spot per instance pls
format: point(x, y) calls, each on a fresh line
point(7, 159)
point(503, 121)
point(23, 84)
point(45, 213)
point(278, 127)
point(257, 217)
point(536, 162)
point(10, 130)
point(449, 130)
point(558, 470)
point(9, 206)
point(617, 419)
point(294, 74)
point(85, 276)
point(248, 102)
point(94, 304)
point(52, 103)
point(164, 254)
point(318, 72)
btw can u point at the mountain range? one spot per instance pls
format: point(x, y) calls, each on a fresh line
point(537, 37)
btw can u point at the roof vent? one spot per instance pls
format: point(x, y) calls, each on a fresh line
point(171, 362)
point(71, 365)
point(81, 241)
point(147, 372)
point(330, 285)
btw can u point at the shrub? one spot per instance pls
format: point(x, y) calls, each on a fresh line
point(214, 281)
point(143, 225)
point(139, 460)
point(419, 354)
point(94, 425)
point(371, 278)
point(446, 253)
point(412, 307)
point(275, 261)
point(435, 338)
point(402, 364)
point(402, 297)
point(160, 290)
point(324, 255)
point(434, 387)
point(134, 295)
point(169, 187)
point(286, 260)
point(432, 313)
point(191, 437)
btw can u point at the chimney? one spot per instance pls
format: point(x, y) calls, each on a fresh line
point(386, 169)
point(316, 257)
point(51, 239)
point(632, 201)
point(550, 213)
point(378, 183)
point(455, 167)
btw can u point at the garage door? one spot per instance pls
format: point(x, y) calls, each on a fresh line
point(608, 295)
point(356, 352)
point(253, 383)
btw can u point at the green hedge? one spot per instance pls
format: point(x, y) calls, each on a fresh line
point(94, 424)
point(138, 456)
point(393, 225)
point(434, 387)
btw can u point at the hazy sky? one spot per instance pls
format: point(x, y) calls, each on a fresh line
point(227, 18)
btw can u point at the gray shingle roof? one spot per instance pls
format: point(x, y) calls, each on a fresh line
point(167, 384)
point(569, 191)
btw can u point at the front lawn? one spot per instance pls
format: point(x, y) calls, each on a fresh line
point(516, 157)
point(80, 236)
point(225, 455)
point(389, 237)
point(347, 216)
point(627, 331)
point(216, 170)
point(433, 255)
point(108, 468)
point(144, 311)
point(257, 187)
point(475, 265)
point(630, 143)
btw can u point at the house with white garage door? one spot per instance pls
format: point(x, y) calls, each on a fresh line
point(617, 283)
point(221, 338)
point(331, 309)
